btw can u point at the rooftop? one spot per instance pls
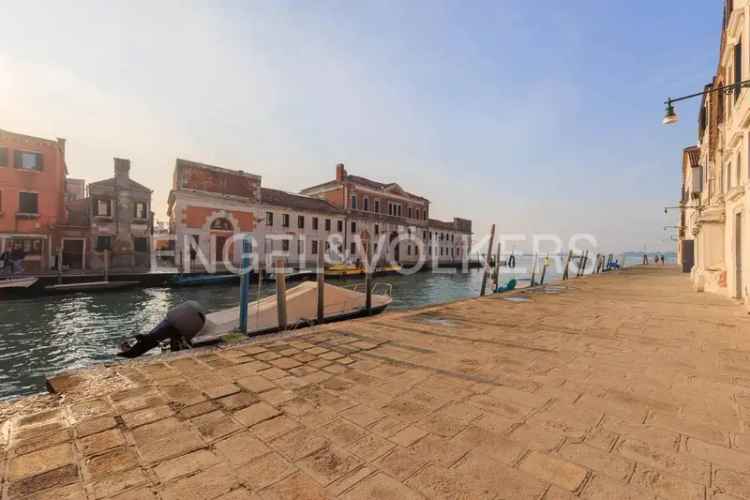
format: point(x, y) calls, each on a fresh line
point(297, 201)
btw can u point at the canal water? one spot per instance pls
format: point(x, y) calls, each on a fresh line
point(47, 335)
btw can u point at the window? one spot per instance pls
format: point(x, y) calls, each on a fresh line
point(354, 227)
point(375, 247)
point(139, 211)
point(340, 226)
point(140, 244)
point(315, 223)
point(390, 208)
point(353, 248)
point(408, 250)
point(30, 246)
point(3, 157)
point(28, 161)
point(269, 218)
point(328, 225)
point(284, 220)
point(328, 245)
point(299, 246)
point(408, 212)
point(354, 201)
point(28, 203)
point(737, 70)
point(103, 243)
point(377, 206)
point(315, 247)
point(221, 224)
point(103, 208)
point(285, 245)
point(301, 221)
point(424, 235)
point(417, 216)
point(365, 204)
point(377, 229)
point(398, 210)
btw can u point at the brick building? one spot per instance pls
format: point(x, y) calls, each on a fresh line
point(207, 206)
point(121, 221)
point(32, 196)
point(395, 222)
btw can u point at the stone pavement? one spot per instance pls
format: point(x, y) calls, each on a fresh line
point(626, 385)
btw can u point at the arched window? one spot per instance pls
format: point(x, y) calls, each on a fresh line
point(222, 224)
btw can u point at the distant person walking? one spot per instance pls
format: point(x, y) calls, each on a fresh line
point(645, 258)
point(5, 262)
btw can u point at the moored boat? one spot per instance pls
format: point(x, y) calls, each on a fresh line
point(301, 309)
point(89, 286)
point(17, 282)
point(203, 279)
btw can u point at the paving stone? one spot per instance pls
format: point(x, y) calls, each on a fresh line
point(600, 487)
point(241, 448)
point(165, 439)
point(215, 425)
point(441, 451)
point(487, 475)
point(408, 436)
point(719, 455)
point(371, 447)
point(239, 494)
point(210, 483)
point(221, 391)
point(117, 460)
point(681, 465)
point(401, 463)
point(285, 363)
point(273, 428)
point(666, 486)
point(265, 470)
point(299, 443)
point(491, 445)
point(609, 464)
point(198, 409)
point(73, 491)
point(380, 486)
point(317, 351)
point(61, 476)
point(343, 433)
point(146, 416)
point(436, 482)
point(320, 363)
point(186, 464)
point(277, 397)
point(295, 487)
point(267, 356)
point(95, 425)
point(113, 484)
point(329, 464)
point(142, 493)
point(274, 373)
point(256, 384)
point(256, 413)
point(40, 461)
point(732, 482)
point(24, 446)
point(238, 401)
point(554, 470)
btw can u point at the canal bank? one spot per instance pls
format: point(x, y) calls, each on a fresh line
point(620, 385)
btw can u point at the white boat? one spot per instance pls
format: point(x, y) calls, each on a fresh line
point(17, 282)
point(301, 309)
point(89, 286)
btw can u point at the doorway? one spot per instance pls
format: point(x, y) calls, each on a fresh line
point(72, 254)
point(738, 254)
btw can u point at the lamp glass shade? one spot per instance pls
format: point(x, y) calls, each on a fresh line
point(670, 117)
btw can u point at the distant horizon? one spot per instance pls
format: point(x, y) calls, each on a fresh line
point(498, 112)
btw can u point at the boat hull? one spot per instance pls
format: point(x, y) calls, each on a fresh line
point(91, 286)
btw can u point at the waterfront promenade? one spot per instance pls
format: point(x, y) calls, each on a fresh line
point(621, 385)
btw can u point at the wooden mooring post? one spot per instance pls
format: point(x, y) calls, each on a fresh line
point(486, 262)
point(321, 282)
point(496, 277)
point(567, 265)
point(245, 284)
point(281, 293)
point(368, 278)
point(544, 271)
point(533, 271)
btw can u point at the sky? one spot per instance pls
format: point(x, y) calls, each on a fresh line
point(539, 117)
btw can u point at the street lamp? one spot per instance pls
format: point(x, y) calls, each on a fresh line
point(670, 116)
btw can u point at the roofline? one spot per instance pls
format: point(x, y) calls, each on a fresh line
point(183, 161)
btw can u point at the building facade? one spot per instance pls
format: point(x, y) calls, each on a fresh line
point(715, 203)
point(121, 222)
point(394, 223)
point(207, 207)
point(32, 196)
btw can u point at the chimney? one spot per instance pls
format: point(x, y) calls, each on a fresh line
point(340, 172)
point(122, 170)
point(61, 144)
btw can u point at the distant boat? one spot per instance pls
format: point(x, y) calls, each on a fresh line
point(90, 286)
point(344, 270)
point(203, 279)
point(296, 275)
point(17, 282)
point(301, 309)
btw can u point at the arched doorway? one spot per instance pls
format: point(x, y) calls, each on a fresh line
point(221, 230)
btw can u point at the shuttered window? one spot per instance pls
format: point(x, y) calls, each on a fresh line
point(3, 157)
point(737, 70)
point(28, 203)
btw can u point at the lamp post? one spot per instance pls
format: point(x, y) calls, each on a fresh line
point(670, 116)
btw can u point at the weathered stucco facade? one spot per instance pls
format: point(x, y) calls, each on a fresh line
point(716, 187)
